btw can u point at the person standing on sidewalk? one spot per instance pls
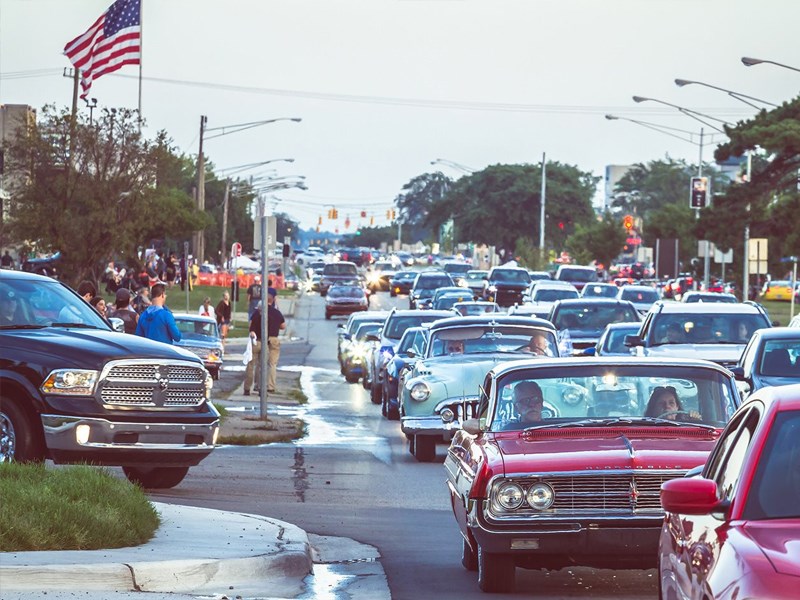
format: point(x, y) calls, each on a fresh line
point(223, 312)
point(157, 322)
point(254, 365)
point(275, 324)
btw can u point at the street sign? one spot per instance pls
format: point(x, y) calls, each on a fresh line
point(698, 192)
point(757, 255)
point(723, 257)
point(236, 250)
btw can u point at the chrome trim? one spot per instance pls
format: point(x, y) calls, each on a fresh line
point(152, 384)
point(59, 432)
point(427, 424)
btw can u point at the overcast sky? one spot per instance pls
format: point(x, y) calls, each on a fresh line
point(386, 86)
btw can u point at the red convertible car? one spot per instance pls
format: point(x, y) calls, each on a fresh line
point(734, 531)
point(565, 463)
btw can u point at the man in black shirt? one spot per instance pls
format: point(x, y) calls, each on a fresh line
point(275, 324)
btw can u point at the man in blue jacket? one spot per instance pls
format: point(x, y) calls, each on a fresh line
point(157, 322)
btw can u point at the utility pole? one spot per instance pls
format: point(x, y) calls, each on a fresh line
point(225, 220)
point(264, 358)
point(199, 236)
point(745, 249)
point(541, 211)
point(707, 257)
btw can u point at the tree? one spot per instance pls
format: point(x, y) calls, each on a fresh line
point(601, 241)
point(415, 201)
point(502, 203)
point(372, 237)
point(92, 191)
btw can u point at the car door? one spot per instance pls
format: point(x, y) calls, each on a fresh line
point(700, 539)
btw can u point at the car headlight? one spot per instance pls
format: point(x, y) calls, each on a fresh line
point(509, 496)
point(420, 392)
point(72, 382)
point(462, 283)
point(492, 289)
point(540, 496)
point(209, 384)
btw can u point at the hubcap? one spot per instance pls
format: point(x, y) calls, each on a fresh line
point(7, 439)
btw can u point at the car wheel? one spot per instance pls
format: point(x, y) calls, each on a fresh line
point(365, 381)
point(375, 393)
point(383, 407)
point(157, 477)
point(328, 316)
point(468, 557)
point(392, 413)
point(425, 448)
point(392, 293)
point(412, 446)
point(351, 378)
point(18, 440)
point(496, 572)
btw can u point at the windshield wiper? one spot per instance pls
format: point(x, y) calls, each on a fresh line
point(13, 327)
point(657, 421)
point(76, 325)
point(581, 423)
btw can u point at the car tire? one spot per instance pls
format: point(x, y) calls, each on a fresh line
point(365, 382)
point(412, 439)
point(425, 448)
point(18, 439)
point(496, 572)
point(328, 316)
point(469, 559)
point(157, 477)
point(375, 392)
point(392, 293)
point(350, 378)
point(392, 413)
point(383, 407)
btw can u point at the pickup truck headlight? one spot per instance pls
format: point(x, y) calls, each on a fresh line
point(420, 392)
point(509, 496)
point(540, 496)
point(70, 382)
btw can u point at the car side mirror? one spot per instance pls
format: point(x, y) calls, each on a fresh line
point(633, 340)
point(694, 496)
point(340, 326)
point(776, 323)
point(371, 337)
point(472, 426)
point(738, 373)
point(117, 324)
point(590, 351)
point(411, 353)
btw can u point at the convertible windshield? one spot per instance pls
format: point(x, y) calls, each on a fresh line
point(197, 329)
point(638, 395)
point(47, 303)
point(485, 339)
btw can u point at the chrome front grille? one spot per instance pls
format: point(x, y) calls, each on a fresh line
point(143, 383)
point(201, 352)
point(616, 494)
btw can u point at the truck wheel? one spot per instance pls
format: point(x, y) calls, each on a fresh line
point(496, 572)
point(468, 557)
point(157, 477)
point(18, 440)
point(425, 448)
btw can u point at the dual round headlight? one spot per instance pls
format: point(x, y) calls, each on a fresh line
point(539, 496)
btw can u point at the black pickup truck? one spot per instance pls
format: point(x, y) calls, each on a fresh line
point(73, 390)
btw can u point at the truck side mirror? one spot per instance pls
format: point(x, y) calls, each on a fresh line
point(633, 340)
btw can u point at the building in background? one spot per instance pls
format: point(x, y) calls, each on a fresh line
point(612, 176)
point(14, 118)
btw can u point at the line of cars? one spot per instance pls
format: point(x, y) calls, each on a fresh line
point(558, 461)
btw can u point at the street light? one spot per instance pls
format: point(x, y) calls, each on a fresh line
point(660, 128)
point(688, 112)
point(749, 62)
point(243, 126)
point(732, 94)
point(240, 168)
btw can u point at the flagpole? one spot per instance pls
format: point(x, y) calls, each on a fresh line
point(141, 56)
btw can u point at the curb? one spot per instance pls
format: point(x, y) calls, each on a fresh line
point(274, 559)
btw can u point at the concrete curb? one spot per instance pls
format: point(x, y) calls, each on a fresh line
point(194, 550)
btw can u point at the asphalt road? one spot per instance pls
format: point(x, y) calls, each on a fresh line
point(352, 476)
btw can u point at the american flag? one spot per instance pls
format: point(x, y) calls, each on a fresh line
point(111, 43)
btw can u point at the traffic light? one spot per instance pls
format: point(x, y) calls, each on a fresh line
point(393, 214)
point(363, 214)
point(371, 221)
point(627, 222)
point(320, 221)
point(335, 213)
point(389, 215)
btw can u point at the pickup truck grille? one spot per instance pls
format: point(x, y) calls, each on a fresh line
point(148, 384)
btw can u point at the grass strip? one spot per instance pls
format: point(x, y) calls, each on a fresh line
point(71, 508)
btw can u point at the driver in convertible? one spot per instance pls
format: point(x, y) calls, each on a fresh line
point(665, 404)
point(528, 402)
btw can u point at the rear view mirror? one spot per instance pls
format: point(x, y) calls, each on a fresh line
point(633, 340)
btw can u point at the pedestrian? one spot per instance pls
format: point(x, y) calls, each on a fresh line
point(142, 300)
point(122, 310)
point(69, 314)
point(254, 365)
point(99, 304)
point(206, 310)
point(275, 324)
point(223, 312)
point(254, 293)
point(157, 322)
point(6, 262)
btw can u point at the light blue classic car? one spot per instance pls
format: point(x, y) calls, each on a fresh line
point(443, 388)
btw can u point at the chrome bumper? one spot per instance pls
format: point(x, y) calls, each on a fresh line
point(428, 425)
point(61, 433)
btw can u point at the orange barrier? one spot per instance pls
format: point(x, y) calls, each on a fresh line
point(245, 281)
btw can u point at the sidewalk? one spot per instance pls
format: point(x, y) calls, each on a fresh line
point(245, 554)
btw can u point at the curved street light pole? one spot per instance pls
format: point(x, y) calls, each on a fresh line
point(688, 112)
point(738, 96)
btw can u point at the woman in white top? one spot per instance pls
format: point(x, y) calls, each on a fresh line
point(207, 310)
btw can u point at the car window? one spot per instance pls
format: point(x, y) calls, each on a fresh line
point(344, 291)
point(781, 358)
point(540, 295)
point(605, 392)
point(482, 340)
point(730, 469)
point(510, 276)
point(192, 329)
point(638, 295)
point(581, 275)
point(340, 269)
point(35, 303)
point(365, 329)
point(590, 316)
point(775, 490)
point(707, 328)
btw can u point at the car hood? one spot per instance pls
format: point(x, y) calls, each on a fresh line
point(779, 540)
point(551, 450)
point(88, 348)
point(196, 343)
point(460, 374)
point(720, 353)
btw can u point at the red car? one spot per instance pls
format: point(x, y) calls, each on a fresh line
point(734, 531)
point(564, 466)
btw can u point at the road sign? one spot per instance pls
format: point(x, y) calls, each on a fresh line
point(757, 255)
point(723, 257)
point(698, 192)
point(236, 250)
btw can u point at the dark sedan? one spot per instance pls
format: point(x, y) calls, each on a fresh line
point(771, 357)
point(580, 323)
point(401, 282)
point(344, 299)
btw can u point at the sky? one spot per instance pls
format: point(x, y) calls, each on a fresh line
point(384, 87)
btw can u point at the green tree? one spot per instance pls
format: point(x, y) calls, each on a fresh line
point(93, 191)
point(371, 237)
point(502, 203)
point(601, 241)
point(415, 201)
